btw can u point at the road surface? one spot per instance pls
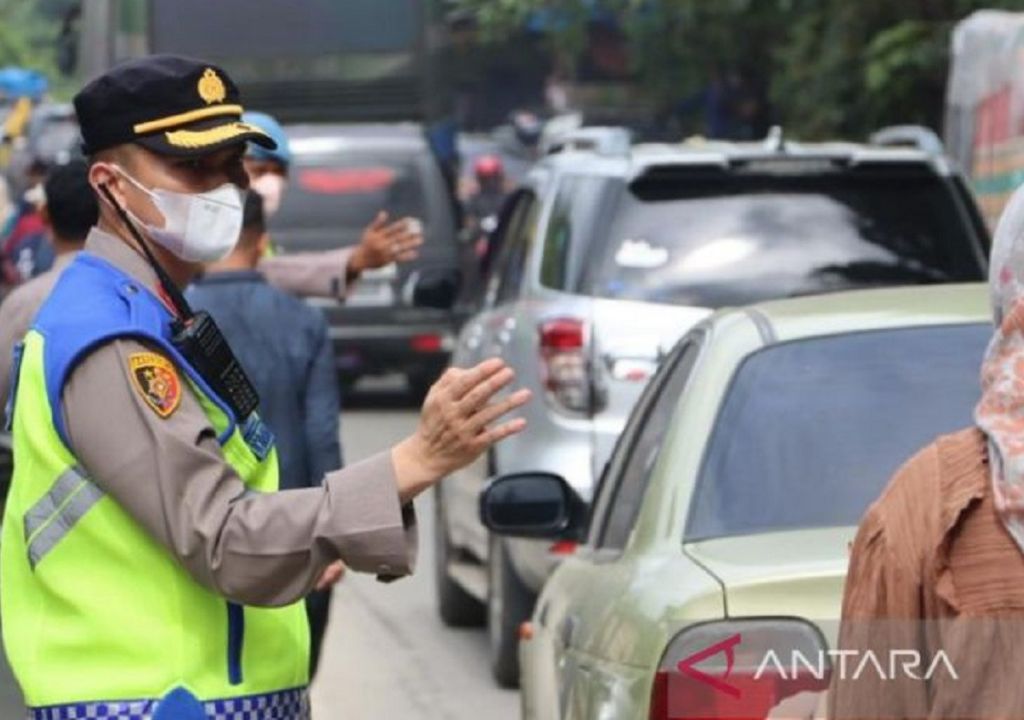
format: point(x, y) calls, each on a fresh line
point(387, 654)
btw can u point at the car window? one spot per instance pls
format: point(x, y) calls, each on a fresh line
point(811, 431)
point(344, 192)
point(733, 239)
point(569, 230)
point(515, 245)
point(630, 468)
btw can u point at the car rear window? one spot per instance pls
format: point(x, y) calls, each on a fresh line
point(735, 239)
point(811, 431)
point(345, 191)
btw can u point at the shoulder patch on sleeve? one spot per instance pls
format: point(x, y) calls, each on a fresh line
point(156, 380)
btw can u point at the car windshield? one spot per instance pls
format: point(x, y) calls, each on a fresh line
point(344, 192)
point(811, 431)
point(738, 239)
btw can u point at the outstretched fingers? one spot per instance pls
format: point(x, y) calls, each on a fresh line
point(483, 392)
point(464, 381)
point(499, 432)
point(489, 413)
point(380, 222)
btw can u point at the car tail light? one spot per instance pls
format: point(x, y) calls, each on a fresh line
point(564, 364)
point(426, 343)
point(563, 547)
point(738, 670)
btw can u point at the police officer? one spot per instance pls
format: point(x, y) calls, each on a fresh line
point(148, 570)
point(327, 273)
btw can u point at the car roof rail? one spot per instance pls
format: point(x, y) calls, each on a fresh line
point(915, 136)
point(615, 141)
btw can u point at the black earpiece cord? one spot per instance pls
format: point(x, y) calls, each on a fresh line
point(181, 305)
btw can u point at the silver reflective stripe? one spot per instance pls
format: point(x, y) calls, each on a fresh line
point(53, 516)
point(48, 504)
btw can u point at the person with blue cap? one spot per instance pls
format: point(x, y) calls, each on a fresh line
point(329, 273)
point(149, 569)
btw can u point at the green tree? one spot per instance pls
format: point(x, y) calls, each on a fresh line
point(829, 67)
point(29, 30)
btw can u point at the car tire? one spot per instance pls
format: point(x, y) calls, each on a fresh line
point(456, 606)
point(509, 604)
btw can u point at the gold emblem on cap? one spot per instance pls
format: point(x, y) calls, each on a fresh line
point(211, 87)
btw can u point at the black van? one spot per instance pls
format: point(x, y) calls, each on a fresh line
point(397, 318)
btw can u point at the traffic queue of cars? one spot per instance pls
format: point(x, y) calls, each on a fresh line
point(721, 388)
point(608, 254)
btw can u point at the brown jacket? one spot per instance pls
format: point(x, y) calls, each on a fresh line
point(933, 571)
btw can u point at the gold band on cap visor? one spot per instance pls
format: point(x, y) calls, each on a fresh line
point(202, 138)
point(186, 117)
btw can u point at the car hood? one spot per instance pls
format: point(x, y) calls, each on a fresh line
point(799, 573)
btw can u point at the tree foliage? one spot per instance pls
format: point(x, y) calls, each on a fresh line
point(827, 67)
point(29, 31)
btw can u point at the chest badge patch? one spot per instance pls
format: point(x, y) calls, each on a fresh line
point(156, 380)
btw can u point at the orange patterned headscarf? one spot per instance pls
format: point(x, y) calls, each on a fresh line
point(1000, 414)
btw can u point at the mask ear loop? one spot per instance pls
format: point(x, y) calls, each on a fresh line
point(181, 306)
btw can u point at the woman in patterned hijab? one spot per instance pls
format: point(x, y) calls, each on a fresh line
point(1000, 414)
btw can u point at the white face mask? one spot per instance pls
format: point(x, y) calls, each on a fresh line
point(200, 227)
point(270, 186)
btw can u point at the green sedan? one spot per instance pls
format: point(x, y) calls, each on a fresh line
point(718, 538)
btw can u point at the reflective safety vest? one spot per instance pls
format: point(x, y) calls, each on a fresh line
point(99, 620)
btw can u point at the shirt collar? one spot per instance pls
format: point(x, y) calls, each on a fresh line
point(124, 257)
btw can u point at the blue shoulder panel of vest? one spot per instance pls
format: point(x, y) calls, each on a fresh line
point(93, 303)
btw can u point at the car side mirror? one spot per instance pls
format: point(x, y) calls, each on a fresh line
point(435, 288)
point(533, 505)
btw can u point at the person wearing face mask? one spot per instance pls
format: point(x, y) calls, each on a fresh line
point(149, 568)
point(332, 272)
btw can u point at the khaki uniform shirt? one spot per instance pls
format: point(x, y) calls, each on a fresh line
point(313, 274)
point(934, 570)
point(17, 312)
point(169, 474)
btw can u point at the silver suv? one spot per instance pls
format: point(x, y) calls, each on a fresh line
point(607, 257)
